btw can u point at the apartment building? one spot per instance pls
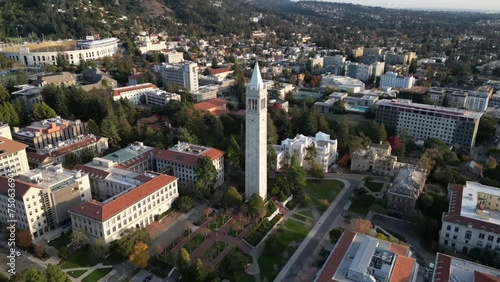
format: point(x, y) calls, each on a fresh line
point(133, 93)
point(378, 69)
point(376, 158)
point(360, 71)
point(473, 218)
point(160, 97)
point(13, 158)
point(404, 191)
point(58, 153)
point(421, 121)
point(477, 101)
point(181, 161)
point(43, 198)
point(391, 79)
point(326, 150)
point(174, 57)
point(183, 74)
point(448, 268)
point(461, 99)
point(333, 60)
point(357, 257)
point(50, 131)
point(136, 207)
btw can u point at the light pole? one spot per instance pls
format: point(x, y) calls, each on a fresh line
point(17, 31)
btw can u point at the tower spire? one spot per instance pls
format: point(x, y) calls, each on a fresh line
point(256, 82)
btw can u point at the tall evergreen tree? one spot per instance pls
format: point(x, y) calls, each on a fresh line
point(109, 130)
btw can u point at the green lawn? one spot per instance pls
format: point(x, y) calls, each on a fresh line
point(83, 258)
point(97, 274)
point(215, 250)
point(219, 222)
point(266, 266)
point(324, 189)
point(294, 231)
point(374, 186)
point(300, 217)
point(307, 213)
point(245, 278)
point(61, 241)
point(194, 243)
point(76, 273)
point(361, 204)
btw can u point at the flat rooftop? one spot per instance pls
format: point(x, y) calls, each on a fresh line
point(53, 177)
point(47, 46)
point(403, 103)
point(128, 153)
point(450, 268)
point(470, 198)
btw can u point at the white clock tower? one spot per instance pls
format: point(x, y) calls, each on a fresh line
point(256, 136)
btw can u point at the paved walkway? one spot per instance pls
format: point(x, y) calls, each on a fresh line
point(89, 270)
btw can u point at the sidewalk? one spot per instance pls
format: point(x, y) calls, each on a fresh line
point(89, 270)
point(312, 233)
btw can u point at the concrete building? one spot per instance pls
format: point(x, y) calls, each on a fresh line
point(357, 257)
point(391, 79)
point(147, 196)
point(181, 161)
point(421, 121)
point(376, 158)
point(48, 52)
point(437, 96)
point(150, 43)
point(404, 191)
point(216, 107)
point(40, 134)
point(448, 268)
point(43, 198)
point(333, 60)
point(58, 153)
point(326, 150)
point(325, 107)
point(13, 159)
point(184, 74)
point(160, 97)
point(256, 136)
point(174, 57)
point(58, 79)
point(278, 105)
point(461, 99)
point(360, 71)
point(94, 79)
point(378, 69)
point(29, 96)
point(477, 101)
point(5, 131)
point(342, 83)
point(133, 93)
point(473, 218)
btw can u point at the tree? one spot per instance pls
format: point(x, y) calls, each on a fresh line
point(231, 197)
point(140, 255)
point(486, 129)
point(23, 238)
point(78, 238)
point(43, 111)
point(491, 163)
point(360, 225)
point(427, 201)
point(109, 130)
point(55, 274)
point(335, 234)
point(206, 174)
point(33, 275)
point(317, 171)
point(413, 66)
point(99, 248)
point(214, 62)
point(39, 251)
point(256, 206)
point(184, 259)
point(92, 127)
point(233, 154)
point(4, 94)
point(296, 175)
point(70, 160)
point(184, 203)
point(200, 271)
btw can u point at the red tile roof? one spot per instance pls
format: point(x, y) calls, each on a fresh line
point(20, 187)
point(8, 146)
point(220, 70)
point(139, 159)
point(118, 91)
point(37, 158)
point(453, 214)
point(210, 104)
point(483, 277)
point(400, 250)
point(93, 173)
point(75, 146)
point(188, 158)
point(403, 269)
point(219, 113)
point(102, 212)
point(333, 262)
point(442, 268)
point(240, 113)
point(135, 76)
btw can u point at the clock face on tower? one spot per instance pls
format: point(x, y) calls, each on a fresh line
point(252, 120)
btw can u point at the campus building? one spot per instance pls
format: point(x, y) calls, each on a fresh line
point(133, 93)
point(473, 218)
point(326, 150)
point(421, 121)
point(181, 161)
point(160, 97)
point(390, 79)
point(13, 159)
point(404, 191)
point(357, 257)
point(183, 74)
point(448, 268)
point(376, 158)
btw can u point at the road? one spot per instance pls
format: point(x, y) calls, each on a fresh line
point(306, 259)
point(22, 261)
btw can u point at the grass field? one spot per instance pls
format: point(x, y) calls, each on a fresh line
point(361, 204)
point(307, 213)
point(76, 273)
point(374, 186)
point(83, 258)
point(300, 217)
point(97, 274)
point(324, 189)
point(194, 243)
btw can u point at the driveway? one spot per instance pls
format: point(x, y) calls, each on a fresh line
point(143, 276)
point(410, 232)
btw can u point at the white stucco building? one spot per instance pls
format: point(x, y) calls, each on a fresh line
point(473, 218)
point(148, 195)
point(183, 74)
point(325, 147)
point(391, 79)
point(160, 97)
point(256, 136)
point(133, 93)
point(342, 83)
point(36, 54)
point(13, 160)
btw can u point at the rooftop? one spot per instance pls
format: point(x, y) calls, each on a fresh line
point(450, 268)
point(145, 86)
point(210, 104)
point(70, 145)
point(46, 126)
point(8, 146)
point(403, 103)
point(189, 154)
point(470, 199)
point(128, 153)
point(21, 187)
point(53, 177)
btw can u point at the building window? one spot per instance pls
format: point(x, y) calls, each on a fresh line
point(456, 229)
point(481, 235)
point(490, 238)
point(448, 227)
point(468, 235)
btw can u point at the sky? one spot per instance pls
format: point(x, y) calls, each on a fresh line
point(476, 5)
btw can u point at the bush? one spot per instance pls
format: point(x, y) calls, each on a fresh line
point(335, 234)
point(261, 230)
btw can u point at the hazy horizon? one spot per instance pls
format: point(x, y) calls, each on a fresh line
point(478, 5)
